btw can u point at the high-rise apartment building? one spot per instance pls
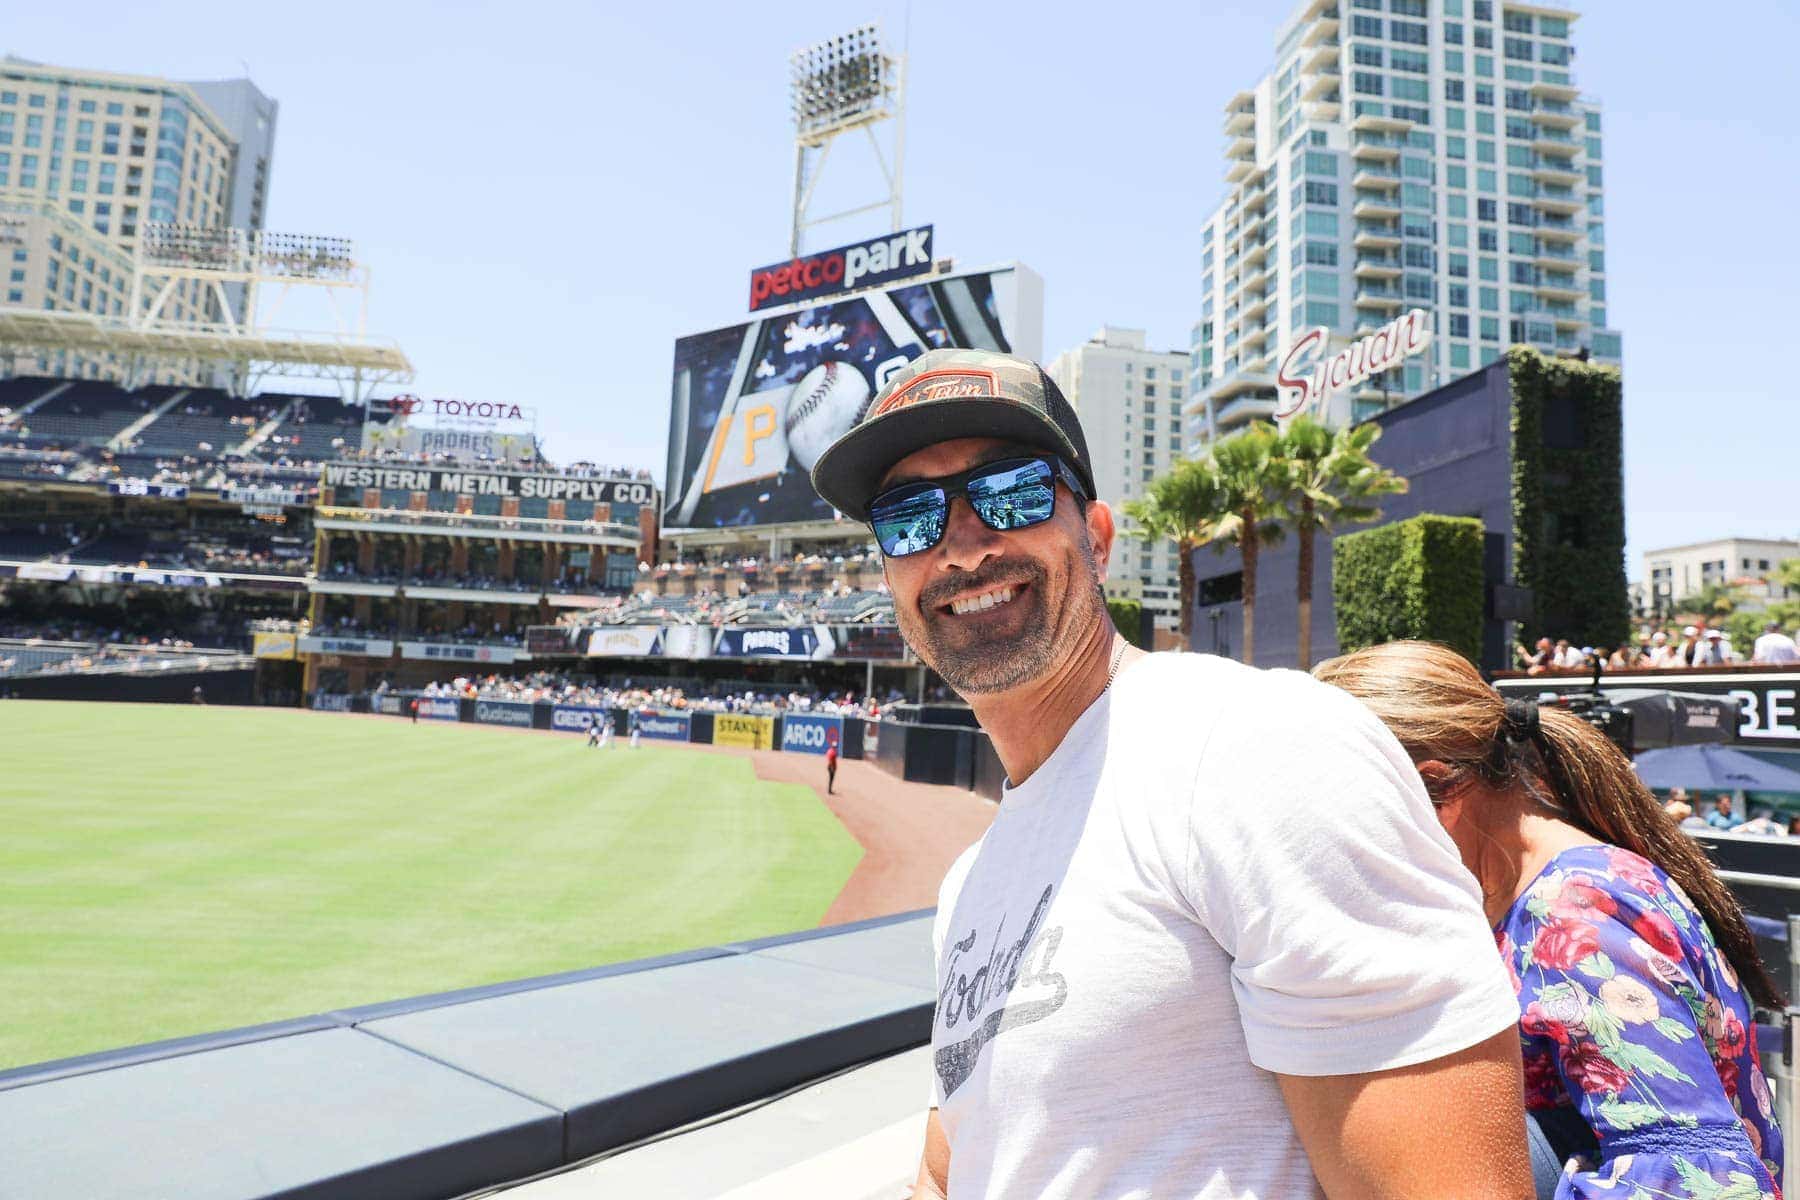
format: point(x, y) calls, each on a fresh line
point(1129, 398)
point(1403, 154)
point(88, 157)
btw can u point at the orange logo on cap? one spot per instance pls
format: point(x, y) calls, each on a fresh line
point(940, 385)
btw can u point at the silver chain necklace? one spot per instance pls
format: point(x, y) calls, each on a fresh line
point(1117, 658)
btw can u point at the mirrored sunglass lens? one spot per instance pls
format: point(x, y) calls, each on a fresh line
point(1014, 496)
point(909, 524)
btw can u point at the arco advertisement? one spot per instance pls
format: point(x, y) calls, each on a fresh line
point(752, 406)
point(808, 733)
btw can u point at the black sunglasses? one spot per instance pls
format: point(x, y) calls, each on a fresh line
point(1013, 493)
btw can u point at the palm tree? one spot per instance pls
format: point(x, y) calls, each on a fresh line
point(1177, 507)
point(1248, 473)
point(1327, 479)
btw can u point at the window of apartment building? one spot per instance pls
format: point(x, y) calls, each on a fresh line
point(1457, 265)
point(1321, 224)
point(1413, 62)
point(1321, 193)
point(1453, 33)
point(1455, 176)
point(1484, 122)
point(1455, 118)
point(1490, 299)
point(1453, 60)
point(1319, 312)
point(1487, 239)
point(1490, 329)
point(1410, 32)
point(1365, 54)
point(1484, 94)
point(1323, 254)
point(1555, 53)
point(1366, 83)
point(1457, 235)
point(1484, 39)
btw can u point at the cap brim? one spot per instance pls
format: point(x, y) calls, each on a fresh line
point(849, 474)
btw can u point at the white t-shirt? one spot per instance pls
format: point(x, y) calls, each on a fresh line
point(1775, 648)
point(1220, 873)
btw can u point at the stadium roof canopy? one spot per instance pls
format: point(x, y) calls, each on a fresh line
point(269, 352)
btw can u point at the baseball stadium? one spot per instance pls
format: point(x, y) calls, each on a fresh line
point(402, 808)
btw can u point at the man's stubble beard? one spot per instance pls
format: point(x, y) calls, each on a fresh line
point(999, 665)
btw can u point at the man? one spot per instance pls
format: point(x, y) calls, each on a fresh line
point(1712, 652)
point(593, 738)
point(831, 761)
point(1660, 653)
point(631, 725)
point(1774, 646)
point(1541, 659)
point(412, 706)
point(1146, 986)
point(1722, 816)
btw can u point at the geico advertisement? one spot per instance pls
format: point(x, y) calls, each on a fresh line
point(754, 732)
point(805, 734)
point(575, 718)
point(754, 405)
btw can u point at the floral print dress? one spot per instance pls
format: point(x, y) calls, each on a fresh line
point(1634, 1018)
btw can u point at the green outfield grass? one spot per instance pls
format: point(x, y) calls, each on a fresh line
point(169, 870)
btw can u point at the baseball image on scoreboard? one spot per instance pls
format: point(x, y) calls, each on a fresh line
point(754, 405)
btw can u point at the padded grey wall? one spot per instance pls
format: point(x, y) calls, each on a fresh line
point(432, 1097)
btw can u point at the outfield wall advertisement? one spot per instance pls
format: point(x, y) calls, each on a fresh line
point(575, 718)
point(503, 712)
point(805, 733)
point(440, 708)
point(732, 729)
point(668, 727)
point(752, 406)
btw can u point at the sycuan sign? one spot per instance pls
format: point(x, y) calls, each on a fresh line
point(1304, 387)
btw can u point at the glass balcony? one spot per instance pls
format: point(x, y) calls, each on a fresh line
point(1369, 176)
point(1376, 234)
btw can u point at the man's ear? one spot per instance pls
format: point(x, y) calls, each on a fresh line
point(1101, 534)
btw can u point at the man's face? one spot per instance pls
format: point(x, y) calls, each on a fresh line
point(1723, 804)
point(1543, 643)
point(1043, 582)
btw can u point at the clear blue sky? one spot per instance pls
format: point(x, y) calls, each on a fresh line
point(548, 194)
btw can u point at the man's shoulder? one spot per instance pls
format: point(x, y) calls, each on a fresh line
point(1260, 704)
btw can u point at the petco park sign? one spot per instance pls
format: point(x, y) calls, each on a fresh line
point(866, 264)
point(1306, 386)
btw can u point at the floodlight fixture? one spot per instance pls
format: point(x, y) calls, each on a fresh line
point(838, 86)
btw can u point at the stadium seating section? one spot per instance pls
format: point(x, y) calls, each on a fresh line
point(43, 422)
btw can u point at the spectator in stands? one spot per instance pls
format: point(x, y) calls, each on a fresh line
point(1660, 651)
point(1713, 651)
point(1722, 815)
point(1540, 659)
point(1775, 647)
point(1683, 655)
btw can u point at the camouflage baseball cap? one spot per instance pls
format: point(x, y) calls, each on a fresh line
point(940, 396)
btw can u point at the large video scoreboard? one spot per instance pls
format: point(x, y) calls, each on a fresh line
point(753, 405)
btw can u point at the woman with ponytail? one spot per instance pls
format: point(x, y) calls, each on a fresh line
point(1634, 968)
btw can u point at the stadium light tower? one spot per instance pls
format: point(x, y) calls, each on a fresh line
point(839, 86)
